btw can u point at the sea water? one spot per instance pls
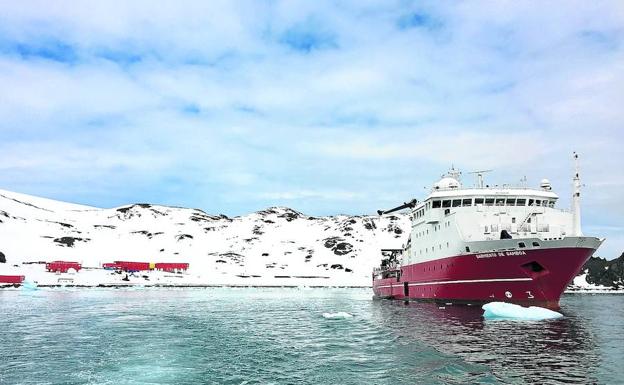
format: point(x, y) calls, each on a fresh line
point(293, 336)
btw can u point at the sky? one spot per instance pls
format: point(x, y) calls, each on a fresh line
point(325, 107)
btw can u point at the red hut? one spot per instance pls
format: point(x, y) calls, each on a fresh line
point(127, 266)
point(111, 266)
point(172, 267)
point(11, 279)
point(62, 266)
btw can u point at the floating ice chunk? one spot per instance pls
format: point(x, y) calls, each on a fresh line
point(509, 311)
point(339, 315)
point(28, 285)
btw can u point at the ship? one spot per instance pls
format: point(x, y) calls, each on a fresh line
point(487, 243)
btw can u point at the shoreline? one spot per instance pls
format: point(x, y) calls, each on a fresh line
point(238, 286)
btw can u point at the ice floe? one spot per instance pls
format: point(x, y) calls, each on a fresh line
point(338, 315)
point(28, 285)
point(509, 311)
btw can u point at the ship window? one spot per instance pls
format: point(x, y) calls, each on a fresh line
point(521, 202)
point(513, 220)
point(538, 202)
point(436, 204)
point(544, 203)
point(446, 203)
point(467, 249)
point(500, 201)
point(551, 204)
point(536, 244)
point(489, 201)
point(530, 202)
point(521, 244)
point(478, 201)
point(456, 202)
point(467, 202)
point(511, 202)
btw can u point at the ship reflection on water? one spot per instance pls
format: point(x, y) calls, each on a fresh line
point(553, 351)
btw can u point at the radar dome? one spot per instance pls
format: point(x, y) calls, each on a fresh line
point(545, 184)
point(446, 183)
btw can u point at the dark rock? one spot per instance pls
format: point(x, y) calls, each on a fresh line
point(331, 242)
point(369, 224)
point(257, 230)
point(605, 273)
point(69, 241)
point(343, 248)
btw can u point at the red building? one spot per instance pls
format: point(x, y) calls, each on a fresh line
point(172, 267)
point(11, 279)
point(62, 266)
point(127, 266)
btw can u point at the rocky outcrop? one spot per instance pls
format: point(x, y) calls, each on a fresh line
point(605, 273)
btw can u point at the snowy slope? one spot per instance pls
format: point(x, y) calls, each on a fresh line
point(276, 246)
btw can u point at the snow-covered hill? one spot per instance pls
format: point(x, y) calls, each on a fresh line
point(276, 246)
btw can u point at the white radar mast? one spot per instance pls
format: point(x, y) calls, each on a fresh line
point(576, 199)
point(479, 176)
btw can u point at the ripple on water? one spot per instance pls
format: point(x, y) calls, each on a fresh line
point(222, 336)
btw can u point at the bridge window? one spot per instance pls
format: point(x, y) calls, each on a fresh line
point(489, 201)
point(500, 201)
point(478, 201)
point(510, 202)
point(551, 204)
point(436, 204)
point(446, 203)
point(467, 202)
point(521, 202)
point(521, 245)
point(456, 202)
point(544, 203)
point(530, 202)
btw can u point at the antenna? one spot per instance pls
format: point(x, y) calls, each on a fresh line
point(576, 198)
point(479, 177)
point(455, 174)
point(523, 182)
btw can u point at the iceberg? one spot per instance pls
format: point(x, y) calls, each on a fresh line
point(339, 315)
point(28, 285)
point(509, 311)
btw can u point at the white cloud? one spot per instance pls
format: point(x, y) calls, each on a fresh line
point(204, 103)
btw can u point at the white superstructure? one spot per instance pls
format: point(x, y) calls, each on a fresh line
point(453, 220)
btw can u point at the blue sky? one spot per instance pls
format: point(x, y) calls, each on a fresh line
point(325, 107)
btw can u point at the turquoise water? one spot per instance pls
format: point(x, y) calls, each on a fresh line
point(279, 336)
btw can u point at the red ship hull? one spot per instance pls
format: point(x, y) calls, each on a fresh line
point(533, 277)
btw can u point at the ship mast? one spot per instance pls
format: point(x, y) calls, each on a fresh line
point(479, 176)
point(576, 199)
